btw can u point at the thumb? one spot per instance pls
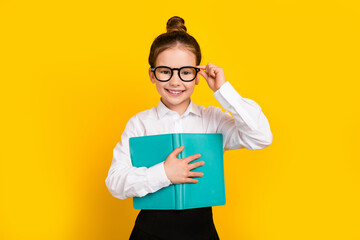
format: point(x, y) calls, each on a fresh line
point(204, 74)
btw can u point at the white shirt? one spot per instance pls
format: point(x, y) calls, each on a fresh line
point(248, 128)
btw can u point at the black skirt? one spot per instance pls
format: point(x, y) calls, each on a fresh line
point(185, 224)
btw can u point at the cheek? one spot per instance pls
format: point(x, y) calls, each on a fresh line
point(160, 86)
point(190, 87)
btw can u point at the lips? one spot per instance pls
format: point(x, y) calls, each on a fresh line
point(175, 92)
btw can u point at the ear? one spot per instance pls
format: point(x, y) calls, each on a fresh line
point(152, 76)
point(197, 79)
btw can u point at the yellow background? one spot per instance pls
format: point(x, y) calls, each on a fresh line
point(74, 72)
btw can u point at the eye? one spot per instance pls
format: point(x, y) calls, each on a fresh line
point(165, 72)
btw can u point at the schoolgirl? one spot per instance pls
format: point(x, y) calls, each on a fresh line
point(175, 69)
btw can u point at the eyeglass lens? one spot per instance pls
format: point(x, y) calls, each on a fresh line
point(186, 74)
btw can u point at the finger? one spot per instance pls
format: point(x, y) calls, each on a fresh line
point(196, 165)
point(204, 74)
point(201, 66)
point(207, 67)
point(210, 70)
point(196, 174)
point(178, 150)
point(218, 69)
point(213, 71)
point(192, 157)
point(191, 180)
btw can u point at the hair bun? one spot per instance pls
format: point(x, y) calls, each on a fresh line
point(175, 24)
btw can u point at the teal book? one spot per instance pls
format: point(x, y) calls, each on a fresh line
point(147, 151)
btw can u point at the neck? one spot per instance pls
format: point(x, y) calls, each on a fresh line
point(180, 108)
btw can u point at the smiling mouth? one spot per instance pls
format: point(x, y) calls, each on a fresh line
point(175, 93)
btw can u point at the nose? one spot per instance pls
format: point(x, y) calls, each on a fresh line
point(175, 80)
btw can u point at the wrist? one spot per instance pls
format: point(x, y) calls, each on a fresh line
point(219, 86)
point(166, 172)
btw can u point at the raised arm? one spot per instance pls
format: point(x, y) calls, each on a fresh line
point(124, 180)
point(248, 128)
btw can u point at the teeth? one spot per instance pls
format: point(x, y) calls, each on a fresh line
point(174, 91)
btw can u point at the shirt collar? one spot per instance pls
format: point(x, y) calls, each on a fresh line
point(162, 110)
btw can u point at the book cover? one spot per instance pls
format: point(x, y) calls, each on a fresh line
point(147, 151)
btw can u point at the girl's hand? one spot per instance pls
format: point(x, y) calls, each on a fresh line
point(178, 170)
point(214, 75)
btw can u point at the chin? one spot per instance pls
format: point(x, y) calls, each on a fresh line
point(174, 102)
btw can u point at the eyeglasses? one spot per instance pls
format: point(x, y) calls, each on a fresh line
point(186, 73)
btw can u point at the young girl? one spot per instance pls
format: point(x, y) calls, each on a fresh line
point(175, 70)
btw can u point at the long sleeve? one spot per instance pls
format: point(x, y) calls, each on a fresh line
point(248, 128)
point(124, 180)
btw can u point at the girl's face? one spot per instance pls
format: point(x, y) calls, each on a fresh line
point(175, 57)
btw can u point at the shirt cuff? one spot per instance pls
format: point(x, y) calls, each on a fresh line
point(226, 94)
point(245, 109)
point(157, 177)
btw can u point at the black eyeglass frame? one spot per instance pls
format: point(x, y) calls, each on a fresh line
point(172, 72)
